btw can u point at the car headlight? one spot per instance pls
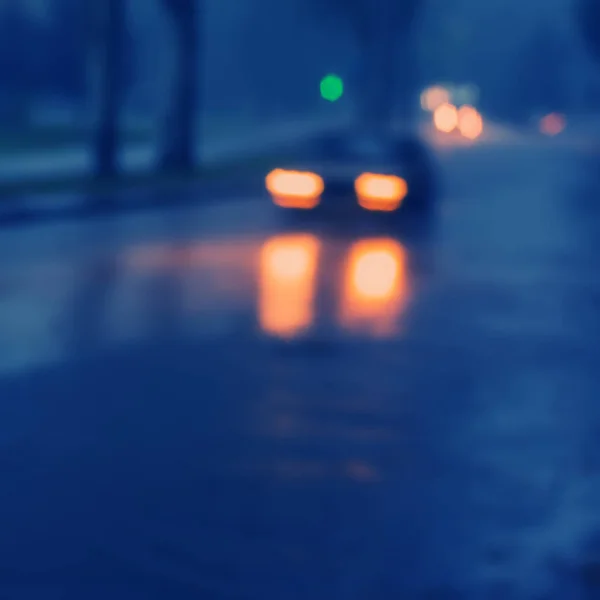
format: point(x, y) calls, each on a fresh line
point(380, 192)
point(295, 189)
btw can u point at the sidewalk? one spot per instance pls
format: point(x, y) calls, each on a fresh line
point(77, 161)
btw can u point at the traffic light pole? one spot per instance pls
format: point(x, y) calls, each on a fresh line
point(111, 16)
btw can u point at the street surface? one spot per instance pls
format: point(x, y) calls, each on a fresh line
point(201, 404)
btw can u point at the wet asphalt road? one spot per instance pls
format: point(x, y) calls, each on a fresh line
point(201, 405)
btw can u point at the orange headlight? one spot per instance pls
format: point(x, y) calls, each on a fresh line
point(295, 189)
point(380, 192)
point(445, 117)
point(470, 122)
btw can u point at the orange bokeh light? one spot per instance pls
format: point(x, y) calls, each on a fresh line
point(380, 192)
point(552, 124)
point(295, 189)
point(470, 122)
point(287, 284)
point(434, 97)
point(445, 118)
point(375, 286)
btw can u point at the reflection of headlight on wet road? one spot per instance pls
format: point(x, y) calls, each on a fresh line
point(373, 295)
point(289, 263)
point(376, 286)
point(287, 284)
point(375, 275)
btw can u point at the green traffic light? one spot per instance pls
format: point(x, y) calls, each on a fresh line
point(332, 88)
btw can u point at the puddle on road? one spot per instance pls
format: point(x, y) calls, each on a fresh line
point(454, 426)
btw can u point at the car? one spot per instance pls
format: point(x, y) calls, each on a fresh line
point(352, 174)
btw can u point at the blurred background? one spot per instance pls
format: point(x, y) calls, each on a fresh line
point(206, 399)
point(150, 84)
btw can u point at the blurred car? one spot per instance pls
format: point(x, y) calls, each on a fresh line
point(345, 174)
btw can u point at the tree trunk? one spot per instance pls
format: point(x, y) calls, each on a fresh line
point(382, 92)
point(180, 125)
point(386, 68)
point(406, 82)
point(111, 47)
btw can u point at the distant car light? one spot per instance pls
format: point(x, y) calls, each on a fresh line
point(552, 124)
point(470, 122)
point(295, 189)
point(433, 97)
point(445, 117)
point(380, 192)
